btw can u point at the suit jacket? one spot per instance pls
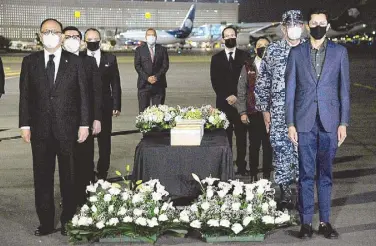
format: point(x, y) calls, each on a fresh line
point(61, 109)
point(2, 77)
point(94, 84)
point(246, 88)
point(145, 67)
point(306, 96)
point(223, 79)
point(110, 77)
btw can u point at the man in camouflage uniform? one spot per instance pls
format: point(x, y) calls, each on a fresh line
point(270, 99)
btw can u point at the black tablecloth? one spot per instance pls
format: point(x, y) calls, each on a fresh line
point(174, 165)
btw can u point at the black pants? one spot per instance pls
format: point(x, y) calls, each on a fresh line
point(258, 136)
point(156, 95)
point(239, 128)
point(84, 168)
point(44, 159)
point(104, 143)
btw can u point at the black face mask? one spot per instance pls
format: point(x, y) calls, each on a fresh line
point(230, 43)
point(93, 46)
point(318, 32)
point(260, 51)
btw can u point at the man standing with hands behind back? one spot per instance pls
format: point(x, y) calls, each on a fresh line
point(54, 106)
point(317, 114)
point(111, 90)
point(2, 78)
point(151, 63)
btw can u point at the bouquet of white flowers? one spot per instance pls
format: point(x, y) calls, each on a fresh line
point(233, 208)
point(156, 118)
point(112, 211)
point(214, 118)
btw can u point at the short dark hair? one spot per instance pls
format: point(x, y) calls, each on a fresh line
point(261, 37)
point(95, 30)
point(229, 27)
point(317, 11)
point(151, 29)
point(51, 19)
point(72, 28)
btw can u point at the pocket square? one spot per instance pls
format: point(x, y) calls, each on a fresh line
point(107, 65)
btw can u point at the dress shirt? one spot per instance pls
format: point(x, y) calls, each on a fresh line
point(233, 50)
point(258, 62)
point(57, 57)
point(318, 58)
point(152, 47)
point(97, 55)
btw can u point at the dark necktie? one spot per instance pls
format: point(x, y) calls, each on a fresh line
point(230, 59)
point(51, 71)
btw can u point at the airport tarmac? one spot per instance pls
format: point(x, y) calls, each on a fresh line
point(354, 192)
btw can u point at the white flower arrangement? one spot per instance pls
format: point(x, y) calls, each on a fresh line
point(233, 208)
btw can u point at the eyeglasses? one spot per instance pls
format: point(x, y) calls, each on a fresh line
point(75, 37)
point(229, 36)
point(53, 32)
point(315, 23)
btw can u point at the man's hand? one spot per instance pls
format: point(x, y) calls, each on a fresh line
point(97, 127)
point(342, 134)
point(26, 134)
point(115, 113)
point(244, 119)
point(152, 79)
point(83, 133)
point(266, 116)
point(293, 135)
point(231, 99)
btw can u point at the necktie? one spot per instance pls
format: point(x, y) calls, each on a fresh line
point(151, 53)
point(51, 70)
point(230, 59)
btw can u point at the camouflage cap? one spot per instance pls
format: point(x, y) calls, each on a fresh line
point(292, 16)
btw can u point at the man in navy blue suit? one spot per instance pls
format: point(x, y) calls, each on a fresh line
point(317, 114)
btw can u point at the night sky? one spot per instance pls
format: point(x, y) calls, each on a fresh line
point(271, 10)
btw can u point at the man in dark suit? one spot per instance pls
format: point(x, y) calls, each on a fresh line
point(317, 113)
point(84, 152)
point(2, 78)
point(151, 63)
point(53, 108)
point(225, 69)
point(111, 89)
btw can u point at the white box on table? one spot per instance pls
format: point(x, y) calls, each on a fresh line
point(186, 135)
point(185, 122)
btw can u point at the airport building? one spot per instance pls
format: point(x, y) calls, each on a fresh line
point(20, 19)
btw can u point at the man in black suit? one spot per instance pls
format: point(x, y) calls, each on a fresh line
point(84, 152)
point(225, 69)
point(53, 108)
point(151, 63)
point(111, 90)
point(2, 78)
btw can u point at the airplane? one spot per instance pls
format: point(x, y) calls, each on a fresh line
point(164, 36)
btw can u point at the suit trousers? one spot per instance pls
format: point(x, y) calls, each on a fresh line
point(237, 126)
point(104, 142)
point(259, 137)
point(84, 168)
point(44, 159)
point(317, 150)
point(155, 95)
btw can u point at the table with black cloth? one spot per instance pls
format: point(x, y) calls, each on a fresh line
point(155, 158)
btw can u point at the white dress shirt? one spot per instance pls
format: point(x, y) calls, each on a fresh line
point(97, 55)
point(152, 47)
point(56, 59)
point(258, 62)
point(233, 50)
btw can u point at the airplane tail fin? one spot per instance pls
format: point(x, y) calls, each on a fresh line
point(353, 15)
point(187, 25)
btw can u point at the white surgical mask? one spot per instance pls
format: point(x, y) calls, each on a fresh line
point(151, 40)
point(51, 41)
point(72, 45)
point(294, 33)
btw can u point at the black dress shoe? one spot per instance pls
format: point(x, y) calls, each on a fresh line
point(305, 231)
point(42, 231)
point(328, 231)
point(64, 231)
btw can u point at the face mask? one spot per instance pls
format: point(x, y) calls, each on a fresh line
point(294, 33)
point(318, 32)
point(230, 43)
point(260, 51)
point(72, 45)
point(151, 40)
point(51, 41)
point(93, 46)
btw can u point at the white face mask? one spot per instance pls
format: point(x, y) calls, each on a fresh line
point(51, 41)
point(294, 33)
point(72, 45)
point(151, 40)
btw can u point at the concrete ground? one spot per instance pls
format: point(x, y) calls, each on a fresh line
point(354, 193)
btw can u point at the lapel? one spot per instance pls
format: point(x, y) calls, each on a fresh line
point(307, 54)
point(156, 53)
point(103, 61)
point(329, 57)
point(41, 66)
point(64, 61)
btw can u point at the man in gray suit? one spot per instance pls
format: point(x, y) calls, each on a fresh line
point(151, 63)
